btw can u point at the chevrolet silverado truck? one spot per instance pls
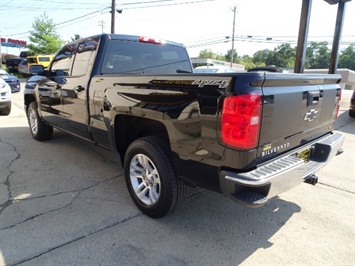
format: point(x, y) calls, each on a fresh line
point(249, 136)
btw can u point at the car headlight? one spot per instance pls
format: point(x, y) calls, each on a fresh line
point(2, 85)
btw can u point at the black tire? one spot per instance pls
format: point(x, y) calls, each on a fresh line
point(151, 178)
point(351, 113)
point(6, 111)
point(39, 130)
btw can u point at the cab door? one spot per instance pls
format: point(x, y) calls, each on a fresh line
point(50, 92)
point(70, 71)
point(74, 89)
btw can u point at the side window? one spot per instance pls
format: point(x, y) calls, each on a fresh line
point(83, 57)
point(64, 60)
point(44, 59)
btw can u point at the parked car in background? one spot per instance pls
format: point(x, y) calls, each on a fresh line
point(213, 69)
point(352, 105)
point(273, 69)
point(35, 69)
point(5, 97)
point(43, 60)
point(23, 67)
point(12, 64)
point(10, 79)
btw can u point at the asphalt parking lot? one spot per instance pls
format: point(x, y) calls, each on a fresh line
point(64, 202)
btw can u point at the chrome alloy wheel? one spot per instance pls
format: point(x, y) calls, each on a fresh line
point(33, 121)
point(145, 179)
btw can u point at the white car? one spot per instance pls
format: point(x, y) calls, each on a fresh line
point(213, 69)
point(23, 68)
point(5, 97)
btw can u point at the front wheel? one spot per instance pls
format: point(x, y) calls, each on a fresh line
point(151, 178)
point(39, 130)
point(6, 111)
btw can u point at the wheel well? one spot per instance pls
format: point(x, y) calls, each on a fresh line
point(28, 99)
point(130, 128)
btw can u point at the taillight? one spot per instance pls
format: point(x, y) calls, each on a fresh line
point(241, 121)
point(337, 104)
point(151, 40)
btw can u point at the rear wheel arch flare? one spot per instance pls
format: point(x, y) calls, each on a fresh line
point(129, 128)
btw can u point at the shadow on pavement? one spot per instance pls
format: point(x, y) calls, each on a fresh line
point(63, 193)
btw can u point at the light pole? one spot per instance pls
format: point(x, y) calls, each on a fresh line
point(232, 52)
point(113, 15)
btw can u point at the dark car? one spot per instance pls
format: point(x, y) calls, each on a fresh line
point(352, 105)
point(12, 80)
point(12, 64)
point(32, 82)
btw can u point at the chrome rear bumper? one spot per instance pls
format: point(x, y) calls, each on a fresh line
point(282, 173)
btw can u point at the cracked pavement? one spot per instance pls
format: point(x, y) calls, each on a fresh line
point(64, 202)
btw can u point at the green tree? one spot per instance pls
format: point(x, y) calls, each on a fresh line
point(318, 55)
point(282, 56)
point(228, 56)
point(247, 61)
point(76, 37)
point(206, 53)
point(260, 57)
point(347, 58)
point(44, 38)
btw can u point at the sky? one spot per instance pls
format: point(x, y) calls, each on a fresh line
point(198, 24)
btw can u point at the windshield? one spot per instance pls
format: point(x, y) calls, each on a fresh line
point(145, 58)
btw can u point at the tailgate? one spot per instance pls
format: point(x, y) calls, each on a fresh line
point(297, 108)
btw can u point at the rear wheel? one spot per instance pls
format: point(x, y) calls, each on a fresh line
point(39, 130)
point(151, 178)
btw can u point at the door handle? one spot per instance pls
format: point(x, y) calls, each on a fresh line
point(80, 88)
point(313, 98)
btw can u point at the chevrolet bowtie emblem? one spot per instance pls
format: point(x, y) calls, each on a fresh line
point(310, 115)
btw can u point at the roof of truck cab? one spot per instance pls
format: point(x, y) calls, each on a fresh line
point(127, 37)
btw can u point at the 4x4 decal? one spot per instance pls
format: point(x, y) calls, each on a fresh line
point(222, 84)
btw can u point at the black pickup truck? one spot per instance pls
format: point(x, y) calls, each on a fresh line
point(250, 136)
point(12, 63)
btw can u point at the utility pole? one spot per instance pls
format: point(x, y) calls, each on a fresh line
point(102, 24)
point(232, 52)
point(113, 14)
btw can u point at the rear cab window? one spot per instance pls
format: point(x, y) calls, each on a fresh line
point(144, 58)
